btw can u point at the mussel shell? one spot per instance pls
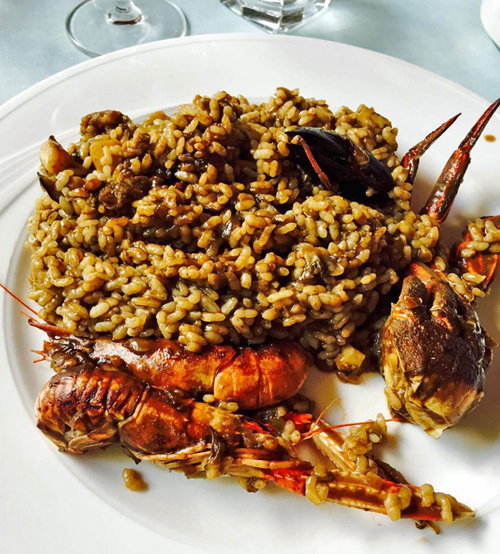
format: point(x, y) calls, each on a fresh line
point(48, 184)
point(353, 169)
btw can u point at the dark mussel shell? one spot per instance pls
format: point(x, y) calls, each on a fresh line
point(48, 184)
point(341, 165)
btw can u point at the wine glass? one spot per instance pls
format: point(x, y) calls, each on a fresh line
point(98, 26)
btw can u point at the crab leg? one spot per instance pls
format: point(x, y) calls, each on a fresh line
point(412, 157)
point(444, 191)
point(485, 264)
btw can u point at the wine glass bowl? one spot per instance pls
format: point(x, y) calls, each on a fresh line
point(97, 27)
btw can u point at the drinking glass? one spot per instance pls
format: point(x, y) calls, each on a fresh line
point(277, 16)
point(99, 26)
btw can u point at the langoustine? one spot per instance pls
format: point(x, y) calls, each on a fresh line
point(92, 408)
point(253, 377)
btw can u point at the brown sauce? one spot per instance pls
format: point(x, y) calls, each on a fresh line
point(490, 138)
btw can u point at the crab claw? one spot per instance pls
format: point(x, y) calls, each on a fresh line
point(340, 164)
point(412, 158)
point(445, 190)
point(435, 353)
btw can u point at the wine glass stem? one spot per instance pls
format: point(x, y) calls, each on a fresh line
point(125, 12)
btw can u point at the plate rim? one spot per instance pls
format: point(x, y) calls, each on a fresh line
point(26, 95)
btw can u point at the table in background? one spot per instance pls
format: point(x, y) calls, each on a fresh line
point(444, 36)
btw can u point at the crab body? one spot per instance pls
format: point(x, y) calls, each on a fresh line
point(435, 353)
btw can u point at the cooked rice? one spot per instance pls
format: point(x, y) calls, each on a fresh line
point(226, 243)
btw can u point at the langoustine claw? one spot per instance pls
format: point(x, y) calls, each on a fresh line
point(83, 410)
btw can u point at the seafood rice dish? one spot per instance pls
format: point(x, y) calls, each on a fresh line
point(190, 269)
point(198, 227)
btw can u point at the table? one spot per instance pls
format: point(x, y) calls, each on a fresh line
point(444, 36)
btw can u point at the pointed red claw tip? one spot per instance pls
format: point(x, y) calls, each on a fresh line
point(472, 136)
point(445, 190)
point(411, 158)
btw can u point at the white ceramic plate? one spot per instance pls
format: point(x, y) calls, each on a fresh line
point(45, 498)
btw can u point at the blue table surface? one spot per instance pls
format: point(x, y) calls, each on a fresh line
point(444, 36)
